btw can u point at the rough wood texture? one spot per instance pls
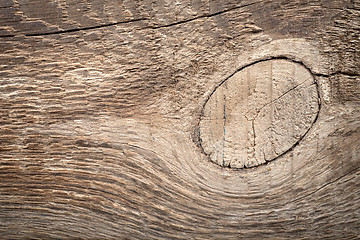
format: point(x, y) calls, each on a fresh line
point(100, 114)
point(259, 114)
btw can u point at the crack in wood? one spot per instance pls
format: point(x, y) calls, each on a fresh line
point(351, 74)
point(202, 16)
point(252, 120)
point(85, 28)
point(134, 20)
point(328, 184)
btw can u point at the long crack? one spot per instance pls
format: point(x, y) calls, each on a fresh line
point(134, 20)
point(266, 104)
point(202, 16)
point(84, 29)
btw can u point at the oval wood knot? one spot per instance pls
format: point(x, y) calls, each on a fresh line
point(259, 113)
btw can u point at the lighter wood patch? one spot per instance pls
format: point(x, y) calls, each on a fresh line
point(259, 113)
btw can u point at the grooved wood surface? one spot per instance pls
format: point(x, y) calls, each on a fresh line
point(101, 105)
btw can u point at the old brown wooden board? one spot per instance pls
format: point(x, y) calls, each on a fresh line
point(113, 122)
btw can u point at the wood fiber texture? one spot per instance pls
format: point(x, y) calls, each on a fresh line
point(259, 113)
point(101, 107)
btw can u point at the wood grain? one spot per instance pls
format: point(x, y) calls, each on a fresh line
point(100, 105)
point(259, 113)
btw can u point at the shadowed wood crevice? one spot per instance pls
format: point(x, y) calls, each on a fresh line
point(133, 20)
point(354, 74)
point(84, 28)
point(203, 16)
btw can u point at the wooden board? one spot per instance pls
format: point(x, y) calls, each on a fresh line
point(102, 109)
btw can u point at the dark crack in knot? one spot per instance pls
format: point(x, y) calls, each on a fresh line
point(269, 108)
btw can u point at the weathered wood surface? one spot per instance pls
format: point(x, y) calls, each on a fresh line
point(101, 102)
point(259, 113)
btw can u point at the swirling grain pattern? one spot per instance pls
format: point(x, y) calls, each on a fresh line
point(100, 104)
